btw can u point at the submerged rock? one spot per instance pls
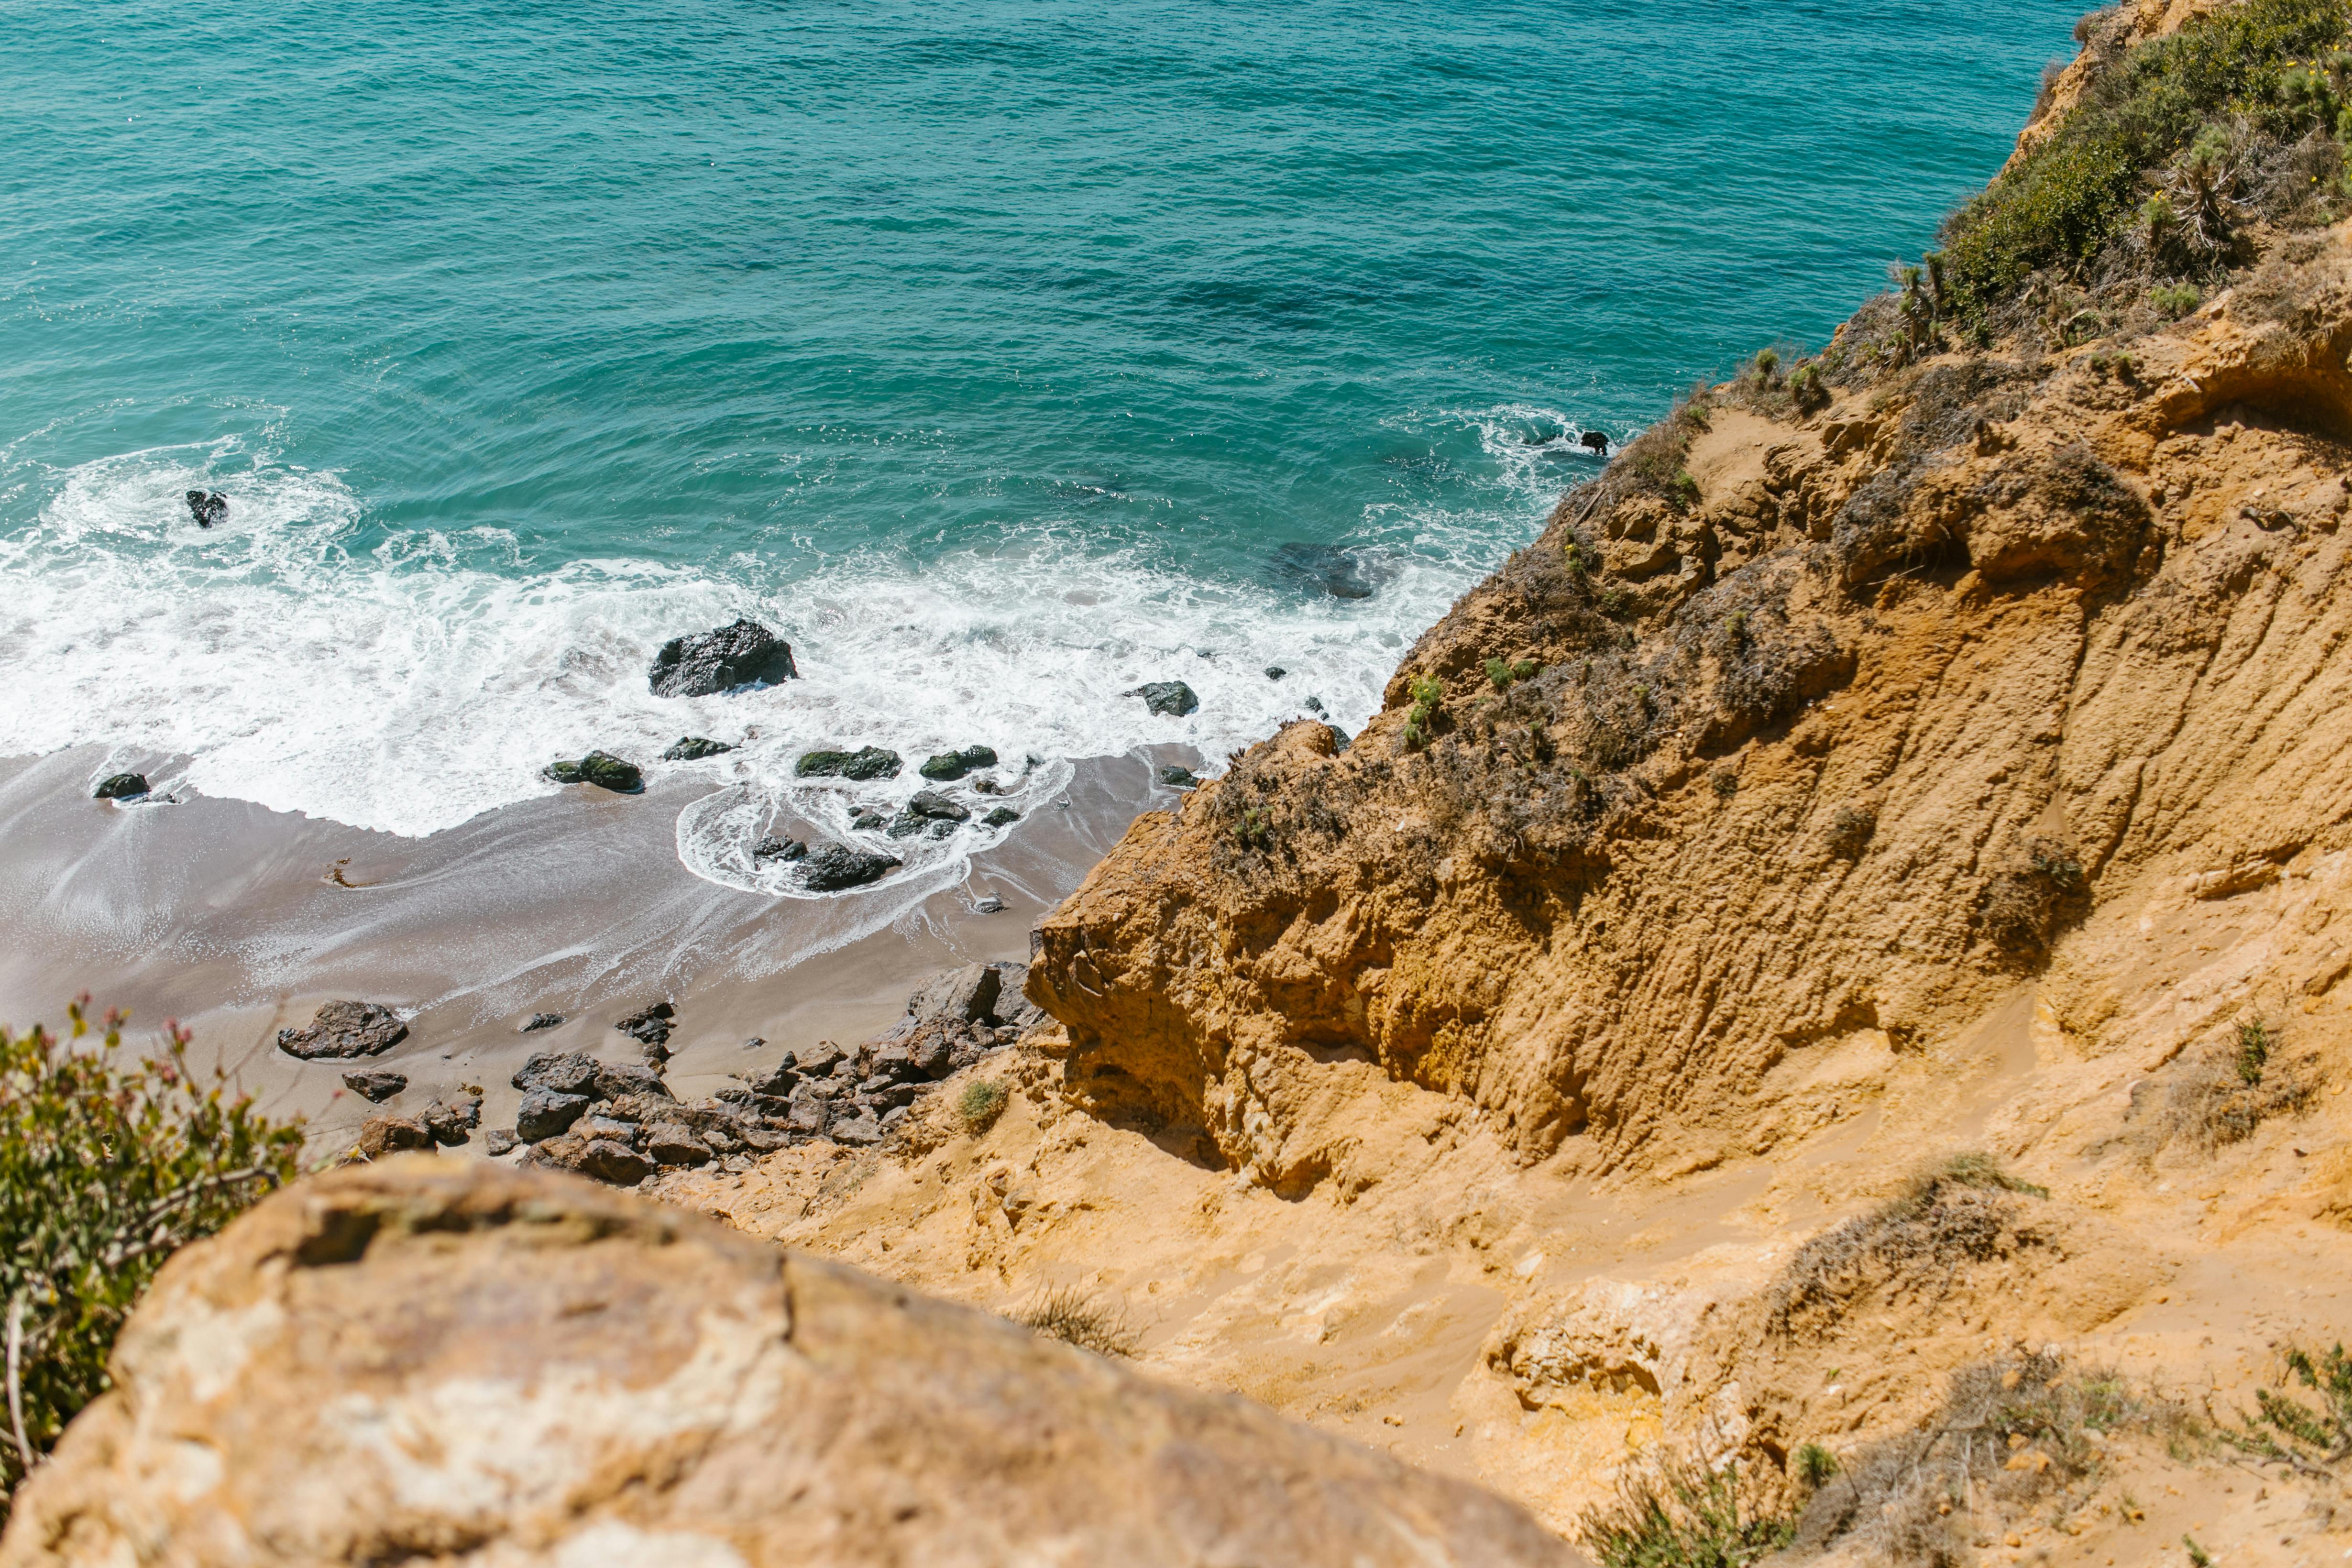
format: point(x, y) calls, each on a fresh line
point(694, 749)
point(949, 765)
point(1173, 698)
point(706, 664)
point(344, 1030)
point(832, 867)
point(1335, 571)
point(869, 762)
point(375, 1085)
point(209, 508)
point(1275, 671)
point(120, 787)
point(601, 769)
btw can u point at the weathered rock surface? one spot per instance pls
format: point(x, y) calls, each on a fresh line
point(949, 765)
point(1173, 698)
point(601, 769)
point(866, 763)
point(509, 1369)
point(694, 749)
point(375, 1084)
point(709, 663)
point(832, 867)
point(546, 1113)
point(120, 787)
point(345, 1029)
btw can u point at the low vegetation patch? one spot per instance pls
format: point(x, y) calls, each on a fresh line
point(1680, 1515)
point(1074, 1317)
point(981, 1104)
point(2011, 1434)
point(2222, 1093)
point(2311, 1435)
point(107, 1167)
point(1964, 1210)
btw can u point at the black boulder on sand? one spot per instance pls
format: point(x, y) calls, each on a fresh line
point(601, 769)
point(374, 1083)
point(833, 867)
point(120, 787)
point(709, 663)
point(344, 1030)
point(872, 762)
point(1173, 698)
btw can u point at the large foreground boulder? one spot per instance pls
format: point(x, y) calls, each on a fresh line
point(708, 663)
point(430, 1360)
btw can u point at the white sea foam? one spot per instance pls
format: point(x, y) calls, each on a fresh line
point(413, 684)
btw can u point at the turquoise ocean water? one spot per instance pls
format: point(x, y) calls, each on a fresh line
point(991, 352)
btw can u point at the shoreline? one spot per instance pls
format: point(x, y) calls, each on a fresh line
point(220, 913)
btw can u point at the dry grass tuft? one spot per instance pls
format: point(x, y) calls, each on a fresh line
point(1069, 1314)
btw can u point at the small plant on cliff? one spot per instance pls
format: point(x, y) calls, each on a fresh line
point(1501, 672)
point(2284, 1429)
point(1428, 696)
point(981, 1104)
point(1681, 1516)
point(1072, 1316)
point(106, 1167)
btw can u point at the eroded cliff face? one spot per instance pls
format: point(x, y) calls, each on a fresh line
point(1796, 724)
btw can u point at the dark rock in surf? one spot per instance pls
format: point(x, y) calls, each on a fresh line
point(1275, 671)
point(830, 868)
point(870, 762)
point(538, 1021)
point(601, 769)
point(867, 820)
point(344, 1030)
point(694, 749)
point(773, 847)
point(375, 1085)
point(1001, 817)
point(1179, 777)
point(931, 803)
point(120, 787)
point(207, 507)
point(1334, 571)
point(1173, 698)
point(709, 663)
point(947, 766)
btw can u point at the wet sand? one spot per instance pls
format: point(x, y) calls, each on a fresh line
point(225, 915)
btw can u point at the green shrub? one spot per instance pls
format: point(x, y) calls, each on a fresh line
point(2176, 300)
point(2306, 1438)
point(106, 1168)
point(1815, 1465)
point(2253, 1051)
point(2079, 188)
point(1428, 696)
point(981, 1104)
point(1681, 1517)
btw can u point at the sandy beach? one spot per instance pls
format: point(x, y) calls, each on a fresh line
point(227, 916)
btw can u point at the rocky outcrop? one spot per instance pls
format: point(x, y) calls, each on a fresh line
point(345, 1029)
point(1172, 698)
point(484, 1366)
point(120, 787)
point(1844, 728)
point(707, 664)
point(949, 765)
point(694, 749)
point(833, 867)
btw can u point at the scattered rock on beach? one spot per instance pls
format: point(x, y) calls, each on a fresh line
point(452, 1121)
point(601, 769)
point(831, 867)
point(381, 1136)
point(706, 664)
point(1173, 698)
point(120, 787)
point(988, 903)
point(561, 1071)
point(501, 1142)
point(1000, 817)
point(375, 1085)
point(538, 1021)
point(1179, 777)
point(949, 766)
point(868, 762)
point(866, 819)
point(344, 1030)
point(694, 749)
point(931, 803)
point(773, 847)
point(544, 1113)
